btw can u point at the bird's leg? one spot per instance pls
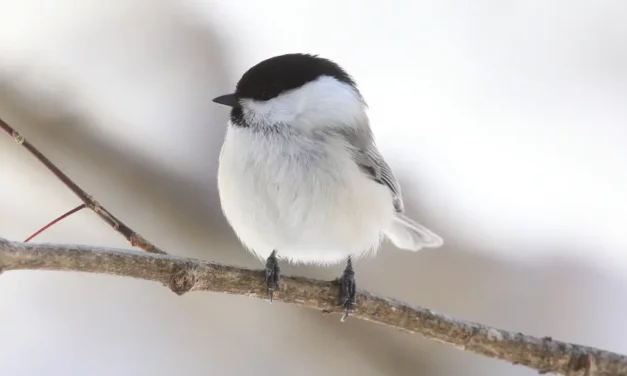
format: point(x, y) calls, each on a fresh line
point(273, 274)
point(347, 289)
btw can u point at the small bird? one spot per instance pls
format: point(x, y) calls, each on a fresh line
point(300, 176)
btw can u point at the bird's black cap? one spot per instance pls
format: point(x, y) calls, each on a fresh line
point(278, 74)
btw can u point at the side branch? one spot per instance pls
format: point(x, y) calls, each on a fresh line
point(134, 238)
point(185, 274)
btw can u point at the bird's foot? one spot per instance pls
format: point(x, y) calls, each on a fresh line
point(347, 290)
point(273, 274)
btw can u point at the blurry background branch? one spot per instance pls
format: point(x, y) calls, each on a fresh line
point(182, 275)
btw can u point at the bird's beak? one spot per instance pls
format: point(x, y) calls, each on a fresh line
point(230, 100)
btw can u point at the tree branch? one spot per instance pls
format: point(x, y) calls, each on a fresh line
point(134, 238)
point(185, 274)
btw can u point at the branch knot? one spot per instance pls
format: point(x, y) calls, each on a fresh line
point(18, 138)
point(182, 281)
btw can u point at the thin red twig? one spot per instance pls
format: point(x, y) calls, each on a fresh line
point(78, 208)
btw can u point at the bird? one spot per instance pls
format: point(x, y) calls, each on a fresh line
point(300, 177)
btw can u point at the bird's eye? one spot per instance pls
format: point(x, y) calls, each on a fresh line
point(265, 95)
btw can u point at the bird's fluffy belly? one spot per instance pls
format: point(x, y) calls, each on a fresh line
point(311, 206)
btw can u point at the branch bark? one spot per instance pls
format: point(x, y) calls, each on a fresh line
point(182, 275)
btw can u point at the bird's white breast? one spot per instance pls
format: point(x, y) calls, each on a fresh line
point(305, 198)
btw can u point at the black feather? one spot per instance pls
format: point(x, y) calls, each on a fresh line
point(278, 74)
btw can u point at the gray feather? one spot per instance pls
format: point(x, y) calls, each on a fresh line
point(370, 161)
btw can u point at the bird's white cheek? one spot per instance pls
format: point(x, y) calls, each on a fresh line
point(271, 112)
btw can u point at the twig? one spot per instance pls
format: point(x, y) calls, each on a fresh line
point(134, 238)
point(185, 274)
point(56, 220)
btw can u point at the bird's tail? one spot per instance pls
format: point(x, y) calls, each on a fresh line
point(406, 234)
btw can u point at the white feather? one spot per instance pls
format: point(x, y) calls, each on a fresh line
point(406, 234)
point(284, 186)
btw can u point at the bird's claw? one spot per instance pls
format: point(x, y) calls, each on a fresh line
point(348, 290)
point(273, 274)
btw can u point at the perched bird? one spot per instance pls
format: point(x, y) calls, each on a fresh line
point(300, 176)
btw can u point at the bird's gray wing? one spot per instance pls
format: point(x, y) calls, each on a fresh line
point(370, 161)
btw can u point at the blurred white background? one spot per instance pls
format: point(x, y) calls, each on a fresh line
point(505, 121)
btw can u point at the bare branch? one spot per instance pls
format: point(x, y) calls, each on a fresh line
point(185, 274)
point(134, 238)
